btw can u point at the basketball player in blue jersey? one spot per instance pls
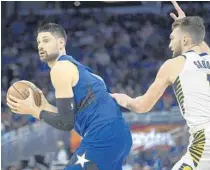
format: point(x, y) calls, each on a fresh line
point(83, 103)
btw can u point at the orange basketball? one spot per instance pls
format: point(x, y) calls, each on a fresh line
point(20, 90)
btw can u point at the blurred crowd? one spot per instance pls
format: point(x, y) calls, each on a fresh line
point(126, 50)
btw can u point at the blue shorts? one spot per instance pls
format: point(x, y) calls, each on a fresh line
point(104, 150)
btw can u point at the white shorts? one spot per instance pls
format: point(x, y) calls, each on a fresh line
point(198, 152)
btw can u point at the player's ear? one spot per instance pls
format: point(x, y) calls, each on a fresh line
point(185, 40)
point(62, 43)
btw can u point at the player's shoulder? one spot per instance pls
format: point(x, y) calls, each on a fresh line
point(171, 65)
point(63, 66)
point(168, 64)
point(174, 61)
point(66, 71)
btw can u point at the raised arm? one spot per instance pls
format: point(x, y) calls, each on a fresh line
point(204, 47)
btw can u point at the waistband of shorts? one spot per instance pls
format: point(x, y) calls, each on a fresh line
point(199, 127)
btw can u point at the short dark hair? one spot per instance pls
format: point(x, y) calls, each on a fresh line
point(54, 29)
point(193, 25)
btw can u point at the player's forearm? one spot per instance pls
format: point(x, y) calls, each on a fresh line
point(64, 119)
point(51, 108)
point(138, 105)
point(56, 120)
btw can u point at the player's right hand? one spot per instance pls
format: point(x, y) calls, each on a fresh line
point(26, 106)
point(122, 99)
point(179, 10)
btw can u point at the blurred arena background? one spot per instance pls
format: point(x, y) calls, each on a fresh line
point(123, 42)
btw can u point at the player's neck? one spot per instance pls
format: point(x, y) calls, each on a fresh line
point(192, 47)
point(52, 63)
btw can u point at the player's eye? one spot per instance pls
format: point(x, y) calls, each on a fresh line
point(46, 40)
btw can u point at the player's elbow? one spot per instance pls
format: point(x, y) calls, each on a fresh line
point(68, 128)
point(65, 126)
point(139, 105)
point(65, 123)
point(143, 109)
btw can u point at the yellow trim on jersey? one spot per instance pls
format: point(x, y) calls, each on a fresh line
point(197, 147)
point(184, 166)
point(179, 93)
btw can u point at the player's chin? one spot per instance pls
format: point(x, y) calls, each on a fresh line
point(175, 54)
point(43, 58)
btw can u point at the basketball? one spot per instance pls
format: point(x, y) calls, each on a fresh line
point(20, 90)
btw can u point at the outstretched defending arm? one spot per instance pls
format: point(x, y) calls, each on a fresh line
point(146, 102)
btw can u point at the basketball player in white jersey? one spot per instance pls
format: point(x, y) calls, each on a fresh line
point(189, 74)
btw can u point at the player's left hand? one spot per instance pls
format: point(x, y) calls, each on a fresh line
point(179, 10)
point(26, 106)
point(122, 99)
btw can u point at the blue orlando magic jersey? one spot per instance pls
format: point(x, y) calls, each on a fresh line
point(94, 105)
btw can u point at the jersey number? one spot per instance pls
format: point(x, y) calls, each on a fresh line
point(208, 78)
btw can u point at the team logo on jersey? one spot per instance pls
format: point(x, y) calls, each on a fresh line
point(81, 160)
point(185, 167)
point(72, 106)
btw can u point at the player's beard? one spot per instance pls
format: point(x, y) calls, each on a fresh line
point(49, 57)
point(177, 52)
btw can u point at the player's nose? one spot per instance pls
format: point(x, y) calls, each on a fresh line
point(40, 48)
point(170, 46)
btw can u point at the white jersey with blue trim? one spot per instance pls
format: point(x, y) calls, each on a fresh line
point(192, 89)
